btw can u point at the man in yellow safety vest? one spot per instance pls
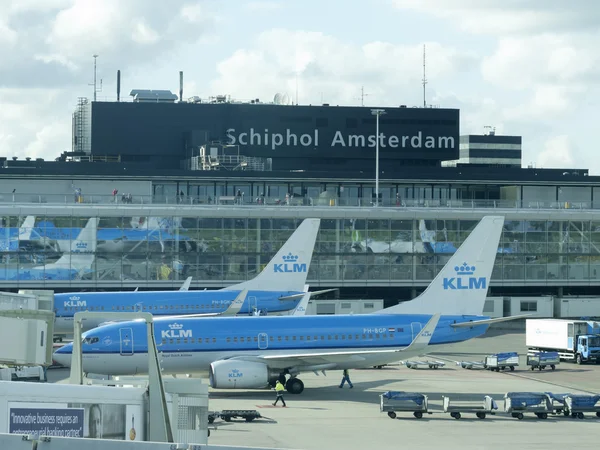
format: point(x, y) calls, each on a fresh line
point(279, 389)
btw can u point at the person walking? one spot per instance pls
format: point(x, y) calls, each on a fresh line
point(346, 377)
point(279, 390)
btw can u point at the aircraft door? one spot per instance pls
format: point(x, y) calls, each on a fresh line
point(126, 338)
point(263, 341)
point(416, 329)
point(138, 306)
point(252, 305)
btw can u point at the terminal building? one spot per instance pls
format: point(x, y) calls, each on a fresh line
point(216, 186)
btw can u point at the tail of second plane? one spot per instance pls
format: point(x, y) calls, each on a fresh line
point(83, 249)
point(288, 269)
point(461, 286)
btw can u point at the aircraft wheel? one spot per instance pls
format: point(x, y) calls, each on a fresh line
point(294, 386)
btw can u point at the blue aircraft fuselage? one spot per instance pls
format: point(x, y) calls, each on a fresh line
point(163, 303)
point(190, 345)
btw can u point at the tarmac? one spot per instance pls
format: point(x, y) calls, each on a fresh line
point(327, 417)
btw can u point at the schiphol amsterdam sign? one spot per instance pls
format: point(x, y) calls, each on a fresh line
point(291, 139)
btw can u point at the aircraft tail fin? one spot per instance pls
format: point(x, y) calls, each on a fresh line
point(26, 228)
point(288, 269)
point(83, 249)
point(461, 287)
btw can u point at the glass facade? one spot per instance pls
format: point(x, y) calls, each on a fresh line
point(359, 247)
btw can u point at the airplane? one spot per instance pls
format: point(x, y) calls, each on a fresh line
point(252, 353)
point(69, 266)
point(428, 243)
point(278, 288)
point(11, 238)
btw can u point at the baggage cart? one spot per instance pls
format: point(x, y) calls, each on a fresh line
point(501, 361)
point(248, 414)
point(558, 403)
point(471, 365)
point(488, 406)
point(430, 364)
point(517, 403)
point(576, 405)
point(399, 401)
point(541, 360)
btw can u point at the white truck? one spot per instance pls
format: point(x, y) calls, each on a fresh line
point(573, 340)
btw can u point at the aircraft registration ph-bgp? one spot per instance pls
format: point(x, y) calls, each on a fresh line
point(252, 353)
point(278, 288)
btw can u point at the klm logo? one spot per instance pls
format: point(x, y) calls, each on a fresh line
point(464, 279)
point(74, 301)
point(235, 373)
point(289, 265)
point(426, 334)
point(176, 331)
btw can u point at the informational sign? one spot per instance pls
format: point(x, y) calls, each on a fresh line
point(65, 422)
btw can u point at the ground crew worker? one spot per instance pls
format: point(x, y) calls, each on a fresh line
point(345, 378)
point(279, 390)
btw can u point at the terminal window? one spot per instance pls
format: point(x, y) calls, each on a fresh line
point(528, 306)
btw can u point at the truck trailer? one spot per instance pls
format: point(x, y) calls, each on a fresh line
point(569, 338)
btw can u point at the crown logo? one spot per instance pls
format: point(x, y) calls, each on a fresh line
point(235, 371)
point(465, 269)
point(290, 258)
point(175, 326)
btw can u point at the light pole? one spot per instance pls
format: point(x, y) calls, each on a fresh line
point(377, 113)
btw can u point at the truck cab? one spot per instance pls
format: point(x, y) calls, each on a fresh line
point(588, 348)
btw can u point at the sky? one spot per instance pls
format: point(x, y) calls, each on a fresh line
point(525, 67)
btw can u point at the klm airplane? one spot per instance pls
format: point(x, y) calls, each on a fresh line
point(70, 266)
point(252, 353)
point(278, 288)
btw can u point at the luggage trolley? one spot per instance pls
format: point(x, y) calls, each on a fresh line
point(516, 403)
point(397, 401)
point(559, 404)
point(501, 361)
point(539, 360)
point(487, 407)
point(576, 405)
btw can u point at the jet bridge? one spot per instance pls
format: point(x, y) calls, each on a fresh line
point(26, 321)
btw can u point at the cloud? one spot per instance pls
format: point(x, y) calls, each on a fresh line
point(330, 68)
point(46, 49)
point(510, 16)
point(263, 6)
point(558, 152)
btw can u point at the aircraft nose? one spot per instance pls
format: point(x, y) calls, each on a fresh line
point(62, 356)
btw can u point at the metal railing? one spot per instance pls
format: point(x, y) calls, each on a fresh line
point(249, 201)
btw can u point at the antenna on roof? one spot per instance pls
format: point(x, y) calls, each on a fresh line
point(94, 83)
point(424, 79)
point(362, 96)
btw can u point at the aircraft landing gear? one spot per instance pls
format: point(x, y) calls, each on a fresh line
point(294, 386)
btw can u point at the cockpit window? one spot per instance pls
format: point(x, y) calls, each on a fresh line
point(91, 340)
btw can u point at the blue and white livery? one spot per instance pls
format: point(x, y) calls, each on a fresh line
point(278, 288)
point(252, 353)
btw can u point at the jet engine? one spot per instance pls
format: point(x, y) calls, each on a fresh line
point(232, 374)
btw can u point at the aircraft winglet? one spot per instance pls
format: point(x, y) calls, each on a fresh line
point(302, 305)
point(421, 340)
point(236, 305)
point(186, 284)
